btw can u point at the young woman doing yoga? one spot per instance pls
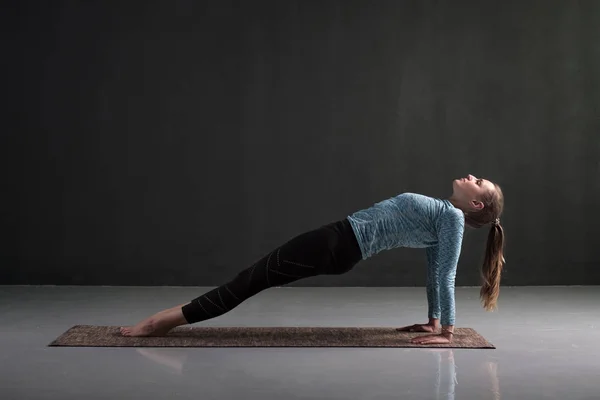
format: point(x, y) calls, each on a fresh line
point(406, 220)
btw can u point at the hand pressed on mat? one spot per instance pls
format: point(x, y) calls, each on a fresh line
point(432, 326)
point(433, 339)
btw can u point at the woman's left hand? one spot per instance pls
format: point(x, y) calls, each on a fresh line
point(432, 339)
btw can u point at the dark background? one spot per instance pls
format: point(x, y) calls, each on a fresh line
point(175, 142)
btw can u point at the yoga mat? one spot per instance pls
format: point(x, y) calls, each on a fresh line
point(109, 336)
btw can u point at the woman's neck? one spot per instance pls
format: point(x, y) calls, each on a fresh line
point(456, 203)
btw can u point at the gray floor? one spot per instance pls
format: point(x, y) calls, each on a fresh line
point(548, 347)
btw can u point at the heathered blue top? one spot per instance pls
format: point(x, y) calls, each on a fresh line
point(418, 221)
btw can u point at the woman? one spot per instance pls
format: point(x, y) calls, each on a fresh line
point(407, 220)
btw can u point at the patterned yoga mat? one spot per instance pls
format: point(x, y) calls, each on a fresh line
point(109, 336)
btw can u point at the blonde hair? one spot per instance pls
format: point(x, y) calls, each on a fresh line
point(493, 261)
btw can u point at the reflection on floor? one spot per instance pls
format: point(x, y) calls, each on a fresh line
point(547, 343)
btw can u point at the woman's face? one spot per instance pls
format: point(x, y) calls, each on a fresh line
point(470, 190)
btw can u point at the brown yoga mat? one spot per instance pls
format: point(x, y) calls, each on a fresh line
point(109, 336)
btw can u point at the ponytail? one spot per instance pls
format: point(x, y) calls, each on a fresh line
point(492, 267)
point(494, 250)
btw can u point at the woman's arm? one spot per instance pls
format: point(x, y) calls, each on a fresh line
point(445, 262)
point(450, 243)
point(433, 284)
point(433, 296)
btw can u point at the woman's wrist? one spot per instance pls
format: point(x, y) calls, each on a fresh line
point(448, 330)
point(435, 322)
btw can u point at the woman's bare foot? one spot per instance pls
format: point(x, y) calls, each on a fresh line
point(157, 325)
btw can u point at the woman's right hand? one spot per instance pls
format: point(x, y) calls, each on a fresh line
point(419, 328)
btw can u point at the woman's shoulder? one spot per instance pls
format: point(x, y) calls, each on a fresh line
point(453, 216)
point(416, 197)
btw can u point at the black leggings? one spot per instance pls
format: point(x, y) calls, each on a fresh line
point(329, 250)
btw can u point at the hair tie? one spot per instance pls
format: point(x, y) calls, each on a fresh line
point(496, 222)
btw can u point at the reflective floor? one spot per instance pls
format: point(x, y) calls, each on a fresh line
point(547, 339)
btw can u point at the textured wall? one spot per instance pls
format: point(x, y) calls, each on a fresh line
point(176, 143)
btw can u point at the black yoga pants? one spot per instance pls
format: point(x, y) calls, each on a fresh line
point(329, 250)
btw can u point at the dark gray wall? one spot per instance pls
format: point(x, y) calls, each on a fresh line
point(176, 142)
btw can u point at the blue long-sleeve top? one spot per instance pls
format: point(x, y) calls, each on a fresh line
point(417, 221)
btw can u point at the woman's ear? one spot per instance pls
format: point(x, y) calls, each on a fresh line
point(477, 205)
